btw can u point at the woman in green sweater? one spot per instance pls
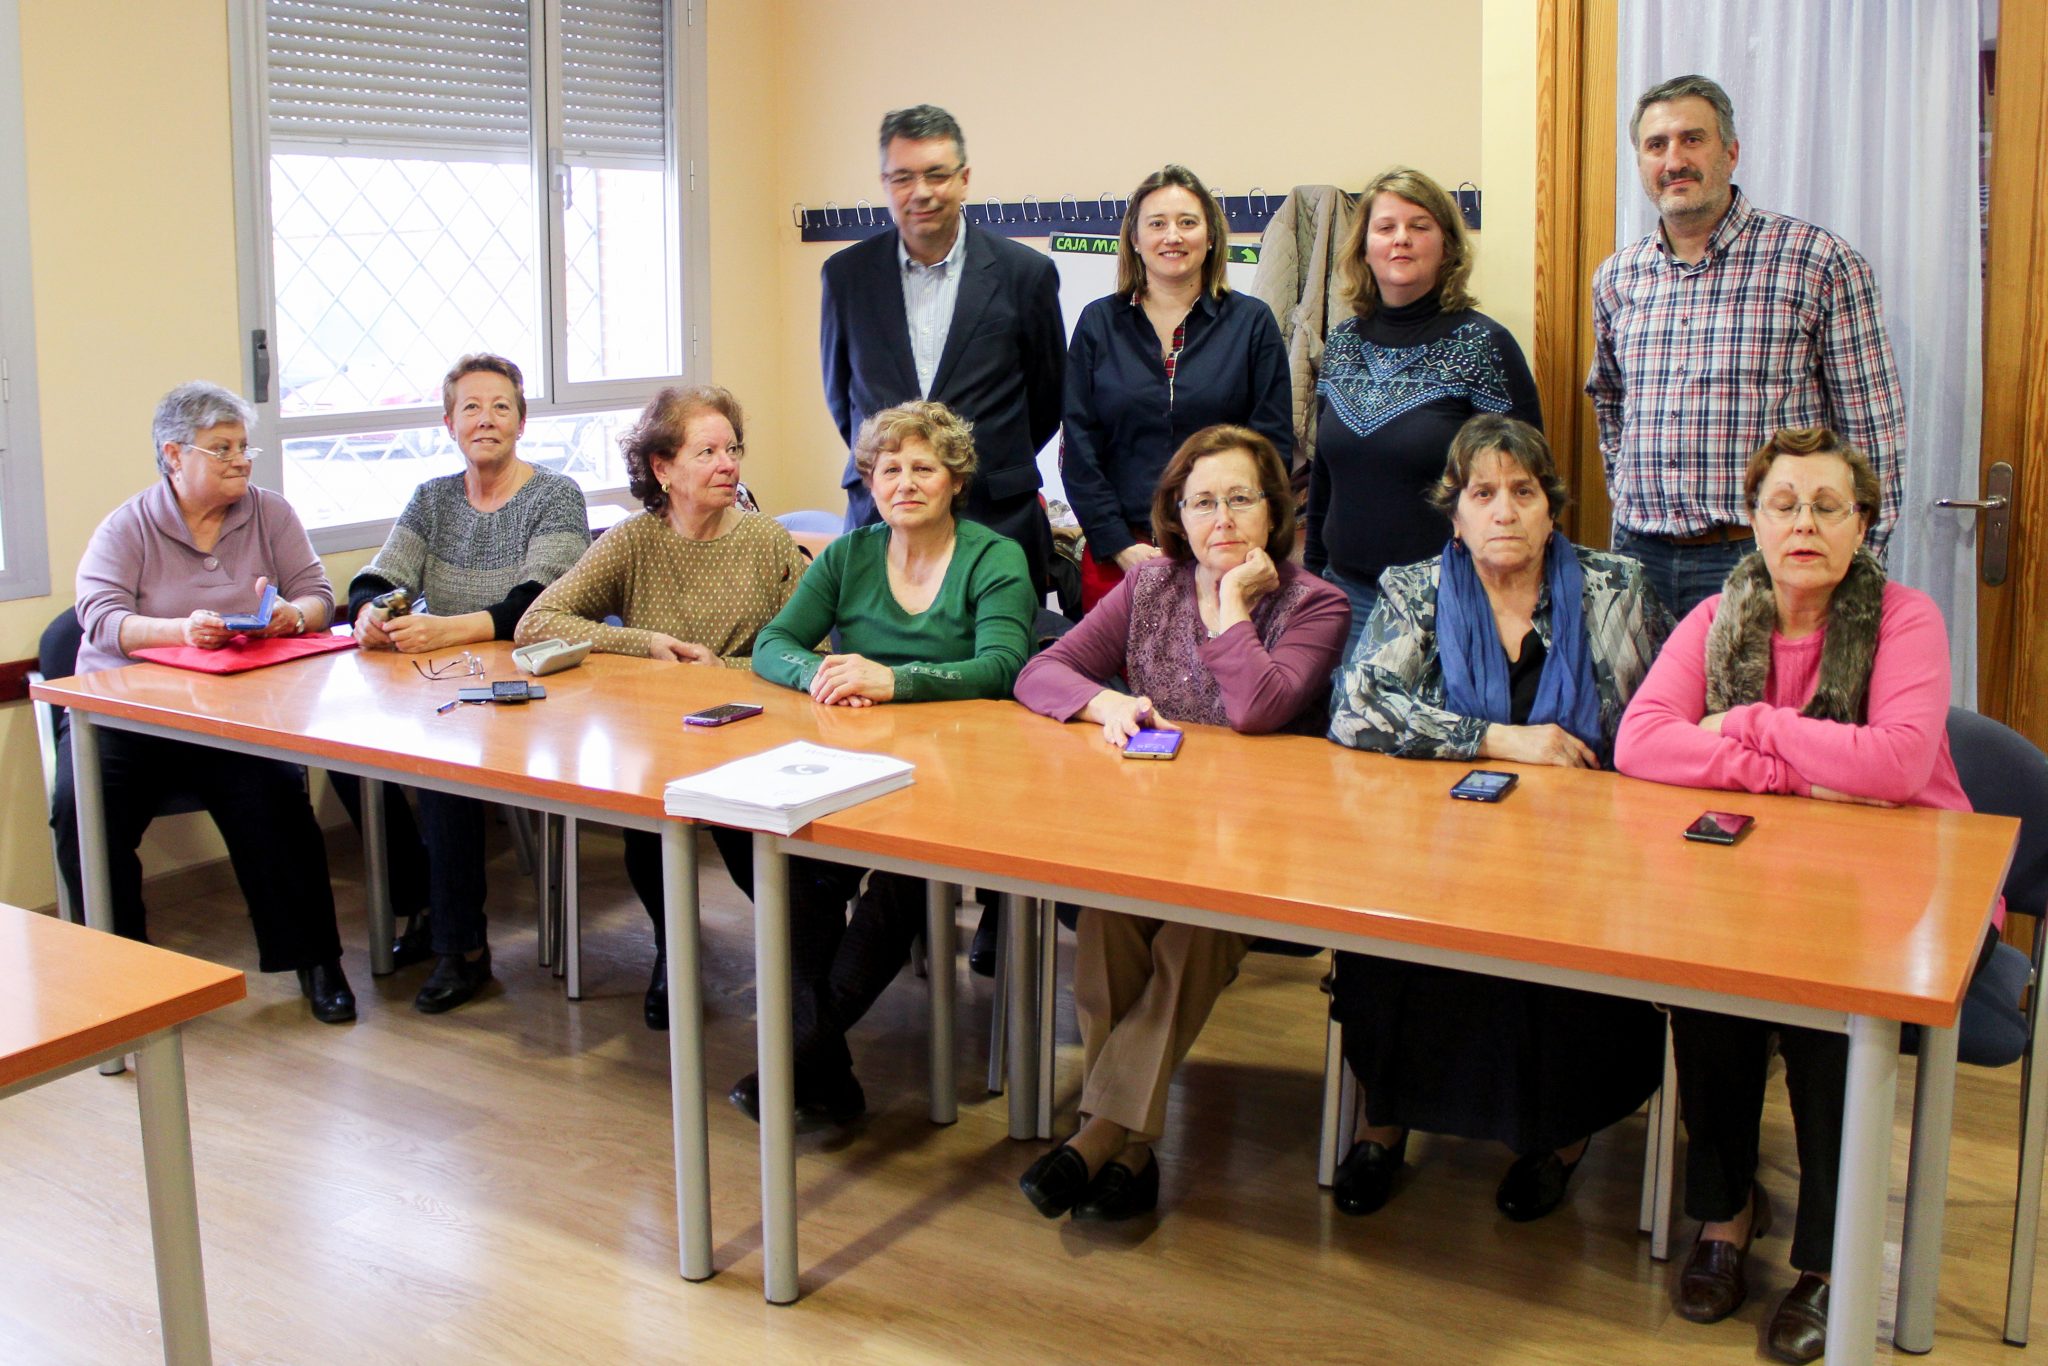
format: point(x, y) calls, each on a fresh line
point(925, 608)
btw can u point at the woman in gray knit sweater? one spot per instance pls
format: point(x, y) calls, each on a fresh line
point(472, 550)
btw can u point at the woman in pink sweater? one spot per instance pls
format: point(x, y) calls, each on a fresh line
point(1809, 674)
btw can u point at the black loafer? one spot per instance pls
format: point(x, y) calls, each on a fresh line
point(1117, 1193)
point(654, 1007)
point(835, 1102)
point(1534, 1186)
point(416, 945)
point(326, 986)
point(1365, 1178)
point(454, 981)
point(1799, 1328)
point(1055, 1182)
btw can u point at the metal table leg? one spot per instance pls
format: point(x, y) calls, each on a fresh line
point(1021, 927)
point(95, 883)
point(686, 1047)
point(1865, 1182)
point(1934, 1103)
point(775, 1032)
point(941, 937)
point(377, 877)
point(173, 1202)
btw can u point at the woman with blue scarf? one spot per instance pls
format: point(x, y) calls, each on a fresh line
point(1516, 645)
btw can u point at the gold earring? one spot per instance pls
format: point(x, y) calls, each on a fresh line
point(664, 486)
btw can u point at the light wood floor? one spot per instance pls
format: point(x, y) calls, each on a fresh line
point(494, 1186)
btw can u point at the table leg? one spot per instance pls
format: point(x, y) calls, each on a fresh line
point(1934, 1102)
point(377, 877)
point(686, 1046)
point(774, 1041)
point(95, 883)
point(1865, 1185)
point(1021, 927)
point(173, 1202)
point(942, 949)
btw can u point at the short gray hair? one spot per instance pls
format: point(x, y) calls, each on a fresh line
point(190, 409)
point(1684, 87)
point(919, 122)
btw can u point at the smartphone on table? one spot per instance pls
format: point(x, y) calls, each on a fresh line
point(1484, 785)
point(1719, 827)
point(1153, 744)
point(724, 714)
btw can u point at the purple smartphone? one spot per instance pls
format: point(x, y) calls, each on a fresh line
point(1153, 744)
point(722, 715)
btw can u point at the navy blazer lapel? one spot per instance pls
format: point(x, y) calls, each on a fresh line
point(977, 286)
point(888, 312)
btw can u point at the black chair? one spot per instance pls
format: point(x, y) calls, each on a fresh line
point(2004, 774)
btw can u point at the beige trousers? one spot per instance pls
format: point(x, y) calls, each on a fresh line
point(1143, 990)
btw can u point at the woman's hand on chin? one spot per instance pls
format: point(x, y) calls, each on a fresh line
point(1545, 744)
point(852, 681)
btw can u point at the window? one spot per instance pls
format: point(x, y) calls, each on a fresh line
point(24, 556)
point(428, 178)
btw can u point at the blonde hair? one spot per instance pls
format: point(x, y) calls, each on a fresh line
point(1357, 285)
point(949, 435)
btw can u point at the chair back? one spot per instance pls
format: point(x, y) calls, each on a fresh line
point(2004, 774)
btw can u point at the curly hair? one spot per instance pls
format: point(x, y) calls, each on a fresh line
point(949, 435)
point(1863, 483)
point(660, 430)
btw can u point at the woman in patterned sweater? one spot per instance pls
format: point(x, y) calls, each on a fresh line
point(1396, 383)
point(1219, 630)
point(1511, 644)
point(471, 550)
point(691, 579)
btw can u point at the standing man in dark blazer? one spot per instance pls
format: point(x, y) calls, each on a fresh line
point(933, 309)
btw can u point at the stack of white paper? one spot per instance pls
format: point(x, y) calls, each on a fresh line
point(786, 788)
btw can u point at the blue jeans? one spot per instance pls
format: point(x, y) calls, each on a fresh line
point(1363, 598)
point(1683, 576)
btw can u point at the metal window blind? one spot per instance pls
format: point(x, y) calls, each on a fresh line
point(454, 76)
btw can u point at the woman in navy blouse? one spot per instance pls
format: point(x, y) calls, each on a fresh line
point(1170, 352)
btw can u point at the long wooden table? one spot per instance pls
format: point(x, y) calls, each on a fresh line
point(1837, 917)
point(70, 999)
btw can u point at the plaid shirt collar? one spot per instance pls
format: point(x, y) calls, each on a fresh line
point(1738, 217)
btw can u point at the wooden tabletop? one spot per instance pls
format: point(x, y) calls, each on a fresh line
point(1832, 906)
point(69, 993)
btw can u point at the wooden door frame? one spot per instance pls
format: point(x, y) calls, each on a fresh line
point(2012, 620)
point(1576, 162)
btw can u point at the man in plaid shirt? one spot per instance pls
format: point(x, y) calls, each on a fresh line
point(1724, 325)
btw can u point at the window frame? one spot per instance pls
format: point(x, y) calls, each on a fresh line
point(686, 162)
point(26, 573)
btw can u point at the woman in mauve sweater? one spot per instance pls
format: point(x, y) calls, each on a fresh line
point(1809, 674)
point(1218, 630)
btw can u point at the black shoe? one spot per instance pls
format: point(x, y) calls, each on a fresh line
point(1365, 1178)
point(981, 955)
point(654, 1008)
point(835, 1103)
point(1056, 1181)
point(416, 945)
point(326, 986)
point(1534, 1185)
point(1117, 1194)
point(454, 981)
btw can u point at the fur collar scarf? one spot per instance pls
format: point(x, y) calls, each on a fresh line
point(1739, 641)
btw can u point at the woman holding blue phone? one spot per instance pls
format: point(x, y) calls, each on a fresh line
point(1219, 630)
point(1512, 644)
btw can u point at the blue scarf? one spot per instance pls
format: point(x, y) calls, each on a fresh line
point(1476, 666)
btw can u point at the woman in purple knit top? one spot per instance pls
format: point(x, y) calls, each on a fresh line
point(1220, 630)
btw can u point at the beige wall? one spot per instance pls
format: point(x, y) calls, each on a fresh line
point(132, 232)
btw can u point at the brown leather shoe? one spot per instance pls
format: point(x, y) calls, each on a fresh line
point(1799, 1330)
point(1711, 1285)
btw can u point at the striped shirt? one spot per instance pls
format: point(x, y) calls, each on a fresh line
point(930, 293)
point(1694, 366)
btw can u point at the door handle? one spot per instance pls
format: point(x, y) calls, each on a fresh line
point(1996, 527)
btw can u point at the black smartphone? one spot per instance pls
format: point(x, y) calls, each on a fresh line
point(1719, 827)
point(1484, 785)
point(724, 714)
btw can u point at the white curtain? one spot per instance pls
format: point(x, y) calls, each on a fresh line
point(1861, 116)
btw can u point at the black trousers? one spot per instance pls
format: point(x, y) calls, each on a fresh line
point(1722, 1066)
point(260, 805)
point(436, 864)
point(839, 965)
